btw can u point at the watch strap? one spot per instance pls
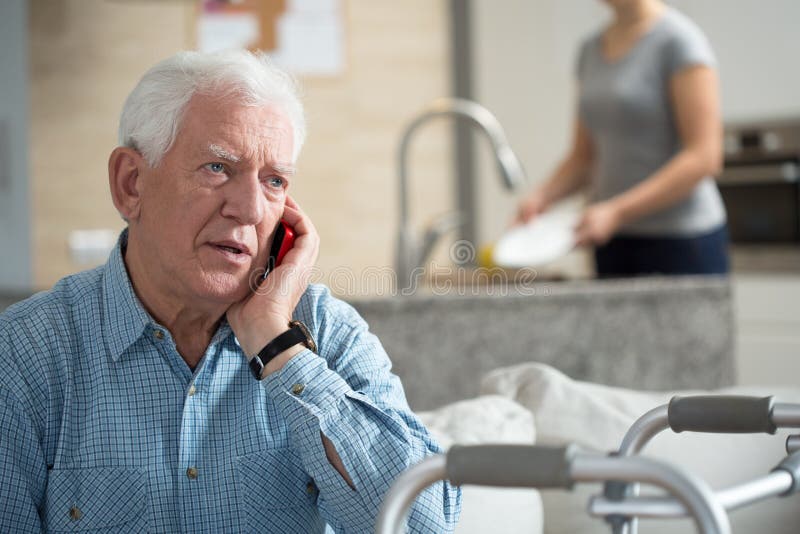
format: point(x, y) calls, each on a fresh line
point(297, 333)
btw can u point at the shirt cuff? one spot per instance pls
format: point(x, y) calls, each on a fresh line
point(305, 388)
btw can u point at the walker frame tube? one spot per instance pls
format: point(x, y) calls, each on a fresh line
point(774, 484)
point(692, 492)
point(398, 500)
point(644, 429)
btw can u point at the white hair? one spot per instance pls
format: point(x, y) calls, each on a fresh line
point(152, 113)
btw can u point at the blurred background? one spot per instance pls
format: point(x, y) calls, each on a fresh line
point(368, 67)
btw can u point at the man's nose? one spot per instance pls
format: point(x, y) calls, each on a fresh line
point(244, 200)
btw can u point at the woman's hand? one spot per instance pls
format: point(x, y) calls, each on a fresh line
point(531, 206)
point(265, 313)
point(598, 224)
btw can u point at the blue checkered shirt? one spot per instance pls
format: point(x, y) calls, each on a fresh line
point(103, 426)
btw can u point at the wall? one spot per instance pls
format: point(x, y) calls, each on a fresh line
point(398, 60)
point(756, 44)
point(15, 266)
point(86, 55)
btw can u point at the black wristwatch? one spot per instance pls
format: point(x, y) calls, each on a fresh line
point(297, 333)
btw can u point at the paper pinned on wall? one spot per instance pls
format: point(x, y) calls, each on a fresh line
point(304, 36)
point(223, 31)
point(311, 38)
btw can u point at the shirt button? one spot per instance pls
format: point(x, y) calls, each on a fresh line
point(158, 334)
point(311, 488)
point(297, 389)
point(75, 513)
point(192, 390)
point(192, 473)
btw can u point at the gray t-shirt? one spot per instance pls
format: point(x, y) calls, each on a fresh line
point(626, 106)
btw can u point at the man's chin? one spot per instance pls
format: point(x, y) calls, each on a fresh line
point(227, 288)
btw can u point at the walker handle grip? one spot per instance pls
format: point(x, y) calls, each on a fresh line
point(726, 414)
point(521, 466)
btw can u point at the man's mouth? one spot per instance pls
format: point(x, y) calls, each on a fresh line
point(230, 249)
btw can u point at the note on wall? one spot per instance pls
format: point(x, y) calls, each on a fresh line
point(304, 36)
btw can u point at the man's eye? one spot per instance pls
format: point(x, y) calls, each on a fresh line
point(216, 168)
point(276, 181)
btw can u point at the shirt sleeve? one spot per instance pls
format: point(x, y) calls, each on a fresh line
point(689, 47)
point(23, 470)
point(349, 394)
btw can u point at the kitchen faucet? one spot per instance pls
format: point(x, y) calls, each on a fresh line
point(412, 254)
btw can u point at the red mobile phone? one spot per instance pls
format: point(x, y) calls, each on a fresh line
point(281, 243)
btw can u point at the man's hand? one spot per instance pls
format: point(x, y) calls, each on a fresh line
point(599, 224)
point(266, 312)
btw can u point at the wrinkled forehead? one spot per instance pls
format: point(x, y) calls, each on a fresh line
point(236, 132)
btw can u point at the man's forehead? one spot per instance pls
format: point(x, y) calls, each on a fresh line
point(235, 132)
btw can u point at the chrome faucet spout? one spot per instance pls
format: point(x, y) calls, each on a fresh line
point(411, 254)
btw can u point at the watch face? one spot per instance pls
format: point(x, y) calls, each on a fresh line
point(309, 338)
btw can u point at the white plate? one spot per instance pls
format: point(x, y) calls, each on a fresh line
point(546, 238)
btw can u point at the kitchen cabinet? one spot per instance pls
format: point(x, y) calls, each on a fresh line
point(767, 311)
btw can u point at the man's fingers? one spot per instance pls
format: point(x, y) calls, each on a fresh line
point(298, 220)
point(292, 202)
point(306, 244)
point(292, 216)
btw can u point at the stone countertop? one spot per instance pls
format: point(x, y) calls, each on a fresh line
point(648, 333)
point(551, 287)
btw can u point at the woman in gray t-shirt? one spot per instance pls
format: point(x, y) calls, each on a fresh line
point(647, 141)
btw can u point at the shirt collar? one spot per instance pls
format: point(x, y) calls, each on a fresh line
point(124, 317)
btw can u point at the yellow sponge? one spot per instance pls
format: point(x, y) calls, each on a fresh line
point(485, 256)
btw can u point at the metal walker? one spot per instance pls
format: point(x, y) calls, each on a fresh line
point(533, 466)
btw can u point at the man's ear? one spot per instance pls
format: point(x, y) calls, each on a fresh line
point(124, 167)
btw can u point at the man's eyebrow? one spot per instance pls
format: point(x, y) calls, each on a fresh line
point(285, 169)
point(223, 154)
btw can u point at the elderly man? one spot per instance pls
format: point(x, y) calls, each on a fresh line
point(169, 390)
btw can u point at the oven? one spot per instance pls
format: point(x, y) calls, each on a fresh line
point(760, 182)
